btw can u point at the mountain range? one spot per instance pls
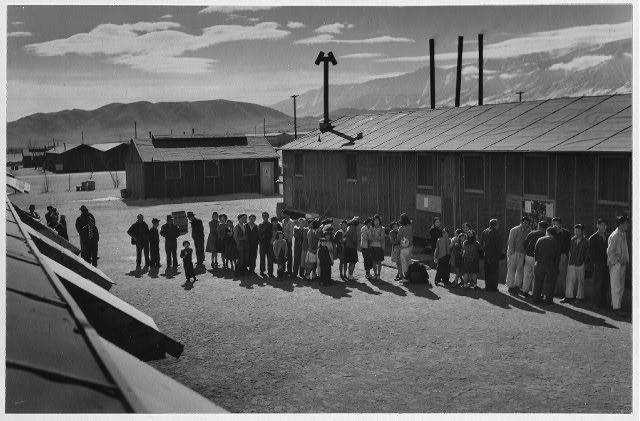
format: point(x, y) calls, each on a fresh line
point(605, 69)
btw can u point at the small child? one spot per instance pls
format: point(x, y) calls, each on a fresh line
point(338, 240)
point(456, 258)
point(395, 248)
point(280, 253)
point(187, 263)
point(230, 248)
point(324, 261)
point(471, 257)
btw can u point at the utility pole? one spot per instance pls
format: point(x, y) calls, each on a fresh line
point(520, 95)
point(295, 123)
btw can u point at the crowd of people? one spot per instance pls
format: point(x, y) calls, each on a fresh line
point(538, 257)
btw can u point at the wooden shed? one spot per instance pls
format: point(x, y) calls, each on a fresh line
point(113, 155)
point(200, 165)
point(567, 157)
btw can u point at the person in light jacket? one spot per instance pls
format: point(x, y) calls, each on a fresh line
point(515, 255)
point(375, 236)
point(405, 235)
point(618, 259)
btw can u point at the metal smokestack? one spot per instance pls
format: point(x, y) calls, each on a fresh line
point(135, 129)
point(480, 69)
point(432, 72)
point(459, 70)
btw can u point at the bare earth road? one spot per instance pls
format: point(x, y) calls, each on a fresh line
point(254, 345)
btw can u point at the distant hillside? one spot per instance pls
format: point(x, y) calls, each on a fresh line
point(575, 72)
point(115, 121)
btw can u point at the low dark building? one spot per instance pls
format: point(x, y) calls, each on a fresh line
point(199, 165)
point(87, 157)
point(114, 155)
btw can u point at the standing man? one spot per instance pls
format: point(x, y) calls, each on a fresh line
point(81, 223)
point(515, 255)
point(529, 258)
point(139, 233)
point(92, 238)
point(242, 243)
point(618, 259)
point(170, 232)
point(287, 230)
point(547, 257)
point(197, 233)
point(492, 246)
point(265, 235)
point(598, 255)
point(564, 236)
point(154, 244)
point(253, 238)
point(575, 272)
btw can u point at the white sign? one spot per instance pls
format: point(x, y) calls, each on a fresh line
point(426, 202)
point(549, 210)
point(527, 206)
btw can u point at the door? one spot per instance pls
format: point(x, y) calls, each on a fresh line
point(266, 178)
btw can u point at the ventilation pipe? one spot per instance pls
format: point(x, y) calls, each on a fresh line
point(432, 72)
point(459, 70)
point(480, 69)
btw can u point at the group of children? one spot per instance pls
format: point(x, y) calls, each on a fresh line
point(460, 253)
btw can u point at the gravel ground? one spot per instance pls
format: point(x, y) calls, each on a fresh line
point(254, 345)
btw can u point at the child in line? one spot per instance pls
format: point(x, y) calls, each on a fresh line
point(186, 256)
point(230, 249)
point(338, 240)
point(471, 257)
point(395, 248)
point(280, 253)
point(456, 258)
point(325, 261)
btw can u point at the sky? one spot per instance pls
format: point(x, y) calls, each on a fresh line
point(64, 57)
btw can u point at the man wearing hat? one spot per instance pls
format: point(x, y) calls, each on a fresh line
point(529, 258)
point(492, 246)
point(598, 256)
point(575, 272)
point(618, 259)
point(154, 244)
point(197, 233)
point(547, 257)
point(170, 232)
point(515, 255)
point(139, 233)
point(81, 226)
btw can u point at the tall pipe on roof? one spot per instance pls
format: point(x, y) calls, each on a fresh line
point(193, 131)
point(480, 69)
point(135, 129)
point(295, 120)
point(82, 134)
point(459, 70)
point(432, 72)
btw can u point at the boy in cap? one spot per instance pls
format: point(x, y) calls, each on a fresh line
point(187, 262)
point(154, 244)
point(575, 271)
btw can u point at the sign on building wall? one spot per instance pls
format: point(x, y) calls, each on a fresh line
point(428, 203)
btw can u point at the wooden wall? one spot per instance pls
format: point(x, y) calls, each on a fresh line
point(135, 174)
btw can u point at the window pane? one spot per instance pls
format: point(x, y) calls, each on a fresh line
point(173, 169)
point(536, 175)
point(352, 168)
point(613, 179)
point(211, 169)
point(425, 170)
point(473, 173)
point(298, 164)
point(249, 167)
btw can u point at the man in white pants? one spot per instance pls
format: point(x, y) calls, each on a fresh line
point(617, 260)
point(515, 255)
point(575, 271)
point(529, 258)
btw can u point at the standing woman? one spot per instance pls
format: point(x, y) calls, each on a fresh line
point(221, 240)
point(212, 239)
point(405, 235)
point(395, 248)
point(376, 246)
point(442, 255)
point(364, 247)
point(351, 247)
point(312, 250)
point(338, 241)
point(230, 247)
point(471, 257)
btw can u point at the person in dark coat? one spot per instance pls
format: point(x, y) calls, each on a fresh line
point(92, 237)
point(529, 258)
point(212, 240)
point(81, 224)
point(221, 240)
point(435, 232)
point(197, 233)
point(492, 247)
point(564, 237)
point(139, 233)
point(170, 232)
point(547, 257)
point(598, 255)
point(242, 243)
point(154, 244)
point(265, 237)
point(187, 263)
point(61, 228)
point(324, 261)
point(47, 215)
point(253, 238)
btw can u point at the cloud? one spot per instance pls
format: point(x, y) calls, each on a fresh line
point(167, 16)
point(580, 63)
point(295, 25)
point(539, 42)
point(233, 9)
point(17, 22)
point(363, 55)
point(328, 38)
point(333, 28)
point(19, 34)
point(154, 46)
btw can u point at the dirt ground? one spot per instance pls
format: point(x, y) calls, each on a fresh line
point(263, 345)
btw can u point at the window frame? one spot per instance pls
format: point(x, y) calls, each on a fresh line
point(524, 175)
point(598, 190)
point(217, 166)
point(351, 155)
point(166, 171)
point(418, 158)
point(464, 173)
point(255, 168)
point(296, 156)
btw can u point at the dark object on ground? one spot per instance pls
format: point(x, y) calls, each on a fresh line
point(417, 273)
